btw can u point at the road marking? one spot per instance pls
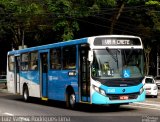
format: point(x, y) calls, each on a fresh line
point(156, 105)
point(145, 107)
point(147, 104)
point(148, 101)
point(8, 114)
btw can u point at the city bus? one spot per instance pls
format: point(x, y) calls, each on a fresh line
point(102, 70)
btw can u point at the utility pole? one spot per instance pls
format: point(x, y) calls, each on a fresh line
point(22, 39)
point(158, 64)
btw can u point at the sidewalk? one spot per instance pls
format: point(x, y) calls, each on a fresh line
point(3, 87)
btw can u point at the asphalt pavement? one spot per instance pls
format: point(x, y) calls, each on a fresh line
point(3, 88)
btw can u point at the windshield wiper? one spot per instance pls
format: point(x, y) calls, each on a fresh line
point(115, 58)
point(112, 55)
point(127, 57)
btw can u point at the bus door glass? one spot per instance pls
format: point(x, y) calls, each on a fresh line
point(84, 74)
point(17, 77)
point(44, 73)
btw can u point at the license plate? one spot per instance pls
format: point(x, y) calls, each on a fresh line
point(123, 97)
point(148, 93)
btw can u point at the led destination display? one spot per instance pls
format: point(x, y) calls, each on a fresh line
point(116, 42)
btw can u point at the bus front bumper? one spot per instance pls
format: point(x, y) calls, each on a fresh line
point(117, 99)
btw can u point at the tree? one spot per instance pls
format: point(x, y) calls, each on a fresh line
point(67, 13)
point(19, 17)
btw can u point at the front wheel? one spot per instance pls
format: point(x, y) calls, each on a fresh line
point(71, 100)
point(25, 94)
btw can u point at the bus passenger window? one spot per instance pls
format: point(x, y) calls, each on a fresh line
point(34, 61)
point(44, 63)
point(55, 58)
point(69, 57)
point(11, 63)
point(24, 62)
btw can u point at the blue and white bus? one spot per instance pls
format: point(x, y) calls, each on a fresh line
point(104, 69)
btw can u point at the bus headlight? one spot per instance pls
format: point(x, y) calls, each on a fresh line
point(141, 90)
point(99, 90)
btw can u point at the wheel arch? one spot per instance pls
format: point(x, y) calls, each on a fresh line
point(69, 89)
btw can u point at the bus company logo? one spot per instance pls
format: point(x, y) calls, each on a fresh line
point(123, 90)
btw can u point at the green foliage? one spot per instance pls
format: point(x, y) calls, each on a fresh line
point(67, 13)
point(19, 17)
point(64, 16)
point(154, 13)
point(153, 2)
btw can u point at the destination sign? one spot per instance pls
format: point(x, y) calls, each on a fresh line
point(116, 41)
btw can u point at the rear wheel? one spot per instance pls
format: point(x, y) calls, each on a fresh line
point(25, 93)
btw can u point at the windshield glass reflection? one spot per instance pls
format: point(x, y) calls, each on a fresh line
point(115, 63)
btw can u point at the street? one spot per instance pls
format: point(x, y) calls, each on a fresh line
point(13, 108)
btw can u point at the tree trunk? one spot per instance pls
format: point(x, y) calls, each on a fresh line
point(147, 56)
point(116, 17)
point(18, 38)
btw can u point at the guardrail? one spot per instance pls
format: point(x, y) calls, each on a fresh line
point(3, 79)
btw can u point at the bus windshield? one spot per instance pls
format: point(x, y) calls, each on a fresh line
point(117, 63)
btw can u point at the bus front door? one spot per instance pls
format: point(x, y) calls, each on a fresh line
point(16, 72)
point(44, 74)
point(84, 74)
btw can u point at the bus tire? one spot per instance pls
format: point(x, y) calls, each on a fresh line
point(25, 94)
point(71, 100)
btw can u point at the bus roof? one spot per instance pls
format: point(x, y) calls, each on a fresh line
point(89, 40)
point(48, 46)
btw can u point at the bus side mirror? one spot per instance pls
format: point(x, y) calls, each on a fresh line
point(90, 56)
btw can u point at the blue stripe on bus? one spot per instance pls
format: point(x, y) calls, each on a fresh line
point(119, 90)
point(30, 75)
point(57, 83)
point(97, 98)
point(100, 99)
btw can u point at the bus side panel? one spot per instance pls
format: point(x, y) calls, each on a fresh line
point(58, 82)
point(55, 85)
point(31, 78)
point(10, 82)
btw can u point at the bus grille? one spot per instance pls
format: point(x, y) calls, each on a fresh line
point(117, 96)
point(118, 82)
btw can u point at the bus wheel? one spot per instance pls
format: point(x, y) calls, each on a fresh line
point(25, 94)
point(71, 100)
